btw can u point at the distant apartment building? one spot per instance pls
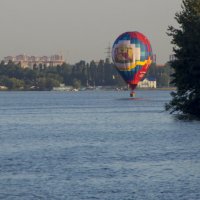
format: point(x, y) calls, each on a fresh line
point(154, 58)
point(26, 61)
point(172, 57)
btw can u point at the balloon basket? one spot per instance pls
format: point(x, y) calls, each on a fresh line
point(132, 94)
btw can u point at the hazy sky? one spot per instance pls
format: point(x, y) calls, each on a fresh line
point(82, 29)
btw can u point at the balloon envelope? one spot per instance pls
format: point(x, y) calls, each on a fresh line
point(132, 56)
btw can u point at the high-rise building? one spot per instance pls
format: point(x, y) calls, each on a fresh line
point(26, 61)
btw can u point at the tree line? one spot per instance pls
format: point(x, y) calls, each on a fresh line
point(81, 74)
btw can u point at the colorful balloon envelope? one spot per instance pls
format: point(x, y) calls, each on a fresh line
point(132, 56)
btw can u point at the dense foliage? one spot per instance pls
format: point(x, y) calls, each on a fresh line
point(186, 77)
point(103, 73)
point(45, 78)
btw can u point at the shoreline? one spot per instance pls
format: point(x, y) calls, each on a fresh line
point(103, 89)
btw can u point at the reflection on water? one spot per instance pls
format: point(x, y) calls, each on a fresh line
point(96, 145)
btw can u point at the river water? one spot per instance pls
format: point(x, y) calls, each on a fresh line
point(96, 145)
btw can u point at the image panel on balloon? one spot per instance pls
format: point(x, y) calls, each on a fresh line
point(123, 54)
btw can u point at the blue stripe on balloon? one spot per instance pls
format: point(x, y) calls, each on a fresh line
point(130, 75)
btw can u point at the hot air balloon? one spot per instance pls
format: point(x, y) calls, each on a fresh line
point(132, 56)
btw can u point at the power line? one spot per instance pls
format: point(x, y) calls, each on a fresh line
point(108, 52)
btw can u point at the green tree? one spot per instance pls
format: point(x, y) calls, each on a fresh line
point(76, 83)
point(44, 83)
point(186, 76)
point(50, 83)
point(13, 83)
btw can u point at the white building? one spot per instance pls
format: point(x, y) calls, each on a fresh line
point(147, 83)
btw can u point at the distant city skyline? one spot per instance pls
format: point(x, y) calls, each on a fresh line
point(83, 30)
point(29, 61)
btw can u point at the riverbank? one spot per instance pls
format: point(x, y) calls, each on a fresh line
point(106, 88)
